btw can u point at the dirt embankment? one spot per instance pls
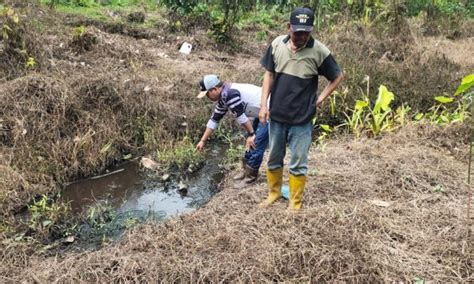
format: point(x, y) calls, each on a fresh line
point(93, 97)
point(376, 210)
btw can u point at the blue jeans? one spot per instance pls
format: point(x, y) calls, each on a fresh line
point(254, 157)
point(298, 138)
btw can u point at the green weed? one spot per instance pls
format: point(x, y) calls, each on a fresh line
point(79, 31)
point(262, 18)
point(88, 12)
point(323, 136)
point(11, 16)
point(30, 63)
point(354, 120)
point(261, 35)
point(467, 83)
point(401, 115)
point(444, 112)
point(102, 223)
point(100, 215)
point(438, 189)
point(142, 132)
point(181, 156)
point(333, 103)
point(233, 154)
point(236, 149)
point(46, 216)
point(419, 280)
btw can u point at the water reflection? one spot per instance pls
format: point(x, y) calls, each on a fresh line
point(114, 188)
point(128, 189)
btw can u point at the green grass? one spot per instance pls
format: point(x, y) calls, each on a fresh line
point(181, 156)
point(88, 12)
point(109, 3)
point(120, 8)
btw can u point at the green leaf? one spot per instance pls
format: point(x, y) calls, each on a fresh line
point(444, 100)
point(106, 147)
point(47, 223)
point(360, 105)
point(438, 188)
point(384, 99)
point(419, 280)
point(444, 118)
point(31, 62)
point(466, 83)
point(326, 127)
point(15, 18)
point(419, 116)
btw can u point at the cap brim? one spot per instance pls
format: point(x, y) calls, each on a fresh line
point(201, 94)
point(301, 28)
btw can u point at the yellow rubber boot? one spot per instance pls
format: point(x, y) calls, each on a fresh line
point(296, 185)
point(274, 180)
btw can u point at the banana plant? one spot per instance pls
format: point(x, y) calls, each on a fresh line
point(355, 121)
point(379, 115)
point(466, 83)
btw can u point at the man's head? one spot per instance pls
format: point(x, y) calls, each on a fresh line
point(301, 26)
point(210, 86)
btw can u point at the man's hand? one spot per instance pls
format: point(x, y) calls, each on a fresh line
point(319, 102)
point(200, 145)
point(263, 115)
point(329, 89)
point(250, 143)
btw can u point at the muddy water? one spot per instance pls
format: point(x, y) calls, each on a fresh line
point(128, 189)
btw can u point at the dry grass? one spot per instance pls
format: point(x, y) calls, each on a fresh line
point(387, 210)
point(90, 107)
point(378, 210)
point(415, 68)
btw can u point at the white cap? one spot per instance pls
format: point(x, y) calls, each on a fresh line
point(207, 83)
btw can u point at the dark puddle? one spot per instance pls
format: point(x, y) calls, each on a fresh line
point(134, 194)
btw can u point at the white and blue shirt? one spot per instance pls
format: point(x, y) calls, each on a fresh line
point(243, 100)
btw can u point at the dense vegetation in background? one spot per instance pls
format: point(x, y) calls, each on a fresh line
point(223, 16)
point(223, 19)
point(356, 7)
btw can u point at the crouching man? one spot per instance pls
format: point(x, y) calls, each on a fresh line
point(243, 100)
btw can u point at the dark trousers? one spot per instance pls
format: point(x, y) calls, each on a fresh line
point(254, 157)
